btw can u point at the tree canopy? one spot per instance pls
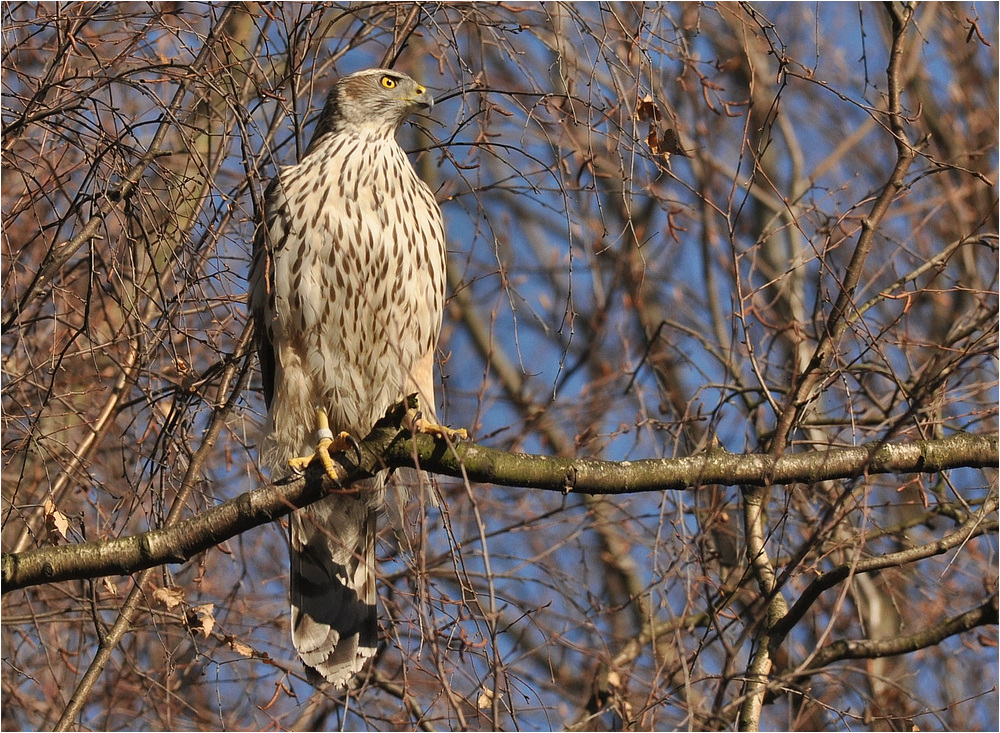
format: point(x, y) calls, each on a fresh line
point(722, 324)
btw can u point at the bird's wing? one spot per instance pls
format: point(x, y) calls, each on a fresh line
point(272, 229)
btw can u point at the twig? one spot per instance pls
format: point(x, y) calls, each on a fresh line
point(837, 322)
point(122, 624)
point(985, 614)
point(894, 559)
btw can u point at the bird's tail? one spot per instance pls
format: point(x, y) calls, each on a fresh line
point(334, 618)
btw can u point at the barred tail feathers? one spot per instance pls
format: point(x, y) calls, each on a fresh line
point(333, 595)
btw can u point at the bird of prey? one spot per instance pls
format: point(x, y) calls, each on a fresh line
point(347, 292)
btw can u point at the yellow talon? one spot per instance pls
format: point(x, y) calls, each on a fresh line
point(441, 431)
point(415, 423)
point(326, 444)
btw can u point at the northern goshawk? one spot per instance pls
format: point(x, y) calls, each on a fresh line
point(346, 291)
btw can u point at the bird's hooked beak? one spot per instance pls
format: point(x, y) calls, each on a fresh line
point(423, 98)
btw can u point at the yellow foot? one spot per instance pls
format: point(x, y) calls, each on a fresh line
point(416, 423)
point(326, 444)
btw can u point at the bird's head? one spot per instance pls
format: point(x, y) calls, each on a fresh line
point(374, 100)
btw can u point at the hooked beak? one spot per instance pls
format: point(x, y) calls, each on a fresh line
point(423, 99)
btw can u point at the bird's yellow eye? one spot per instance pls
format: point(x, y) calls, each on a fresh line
point(388, 82)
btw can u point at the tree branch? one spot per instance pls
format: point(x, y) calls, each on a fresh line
point(985, 614)
point(391, 446)
point(759, 669)
point(127, 612)
point(973, 526)
point(804, 391)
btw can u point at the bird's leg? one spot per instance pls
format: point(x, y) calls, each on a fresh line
point(415, 422)
point(326, 443)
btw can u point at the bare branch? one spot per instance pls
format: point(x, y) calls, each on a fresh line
point(838, 320)
point(985, 614)
point(388, 445)
point(974, 525)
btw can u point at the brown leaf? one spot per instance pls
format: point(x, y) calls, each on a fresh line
point(240, 648)
point(55, 522)
point(169, 597)
point(648, 110)
point(200, 619)
point(666, 144)
point(661, 141)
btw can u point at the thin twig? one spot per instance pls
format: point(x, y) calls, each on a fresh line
point(128, 610)
point(838, 321)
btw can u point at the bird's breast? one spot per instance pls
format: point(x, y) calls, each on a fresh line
point(358, 283)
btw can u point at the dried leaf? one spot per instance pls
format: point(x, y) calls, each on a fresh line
point(648, 109)
point(55, 522)
point(485, 701)
point(169, 597)
point(661, 141)
point(240, 648)
point(109, 586)
point(665, 144)
point(200, 619)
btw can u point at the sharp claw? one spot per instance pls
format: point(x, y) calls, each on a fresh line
point(452, 433)
point(355, 445)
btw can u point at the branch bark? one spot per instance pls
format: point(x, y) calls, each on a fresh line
point(391, 446)
point(759, 670)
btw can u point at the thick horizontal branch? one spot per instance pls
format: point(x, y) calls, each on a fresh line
point(588, 476)
point(390, 446)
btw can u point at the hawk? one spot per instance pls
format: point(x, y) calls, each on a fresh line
point(347, 292)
